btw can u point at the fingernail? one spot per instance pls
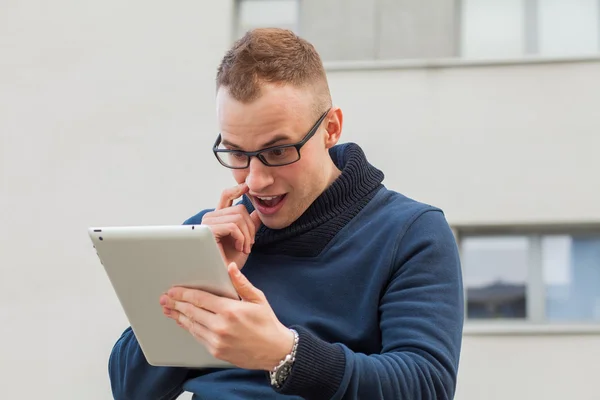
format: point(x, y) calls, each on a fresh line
point(163, 301)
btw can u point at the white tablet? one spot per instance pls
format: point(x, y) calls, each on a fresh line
point(142, 263)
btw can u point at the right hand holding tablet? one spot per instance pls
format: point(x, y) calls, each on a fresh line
point(233, 228)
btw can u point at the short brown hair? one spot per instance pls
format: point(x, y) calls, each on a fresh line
point(272, 55)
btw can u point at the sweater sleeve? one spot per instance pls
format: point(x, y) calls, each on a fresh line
point(421, 322)
point(131, 377)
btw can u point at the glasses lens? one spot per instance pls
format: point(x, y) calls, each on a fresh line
point(233, 159)
point(281, 155)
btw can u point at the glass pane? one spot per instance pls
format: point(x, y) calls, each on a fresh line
point(492, 28)
point(268, 13)
point(495, 276)
point(568, 27)
point(571, 267)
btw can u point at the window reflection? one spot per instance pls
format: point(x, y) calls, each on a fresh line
point(495, 276)
point(571, 267)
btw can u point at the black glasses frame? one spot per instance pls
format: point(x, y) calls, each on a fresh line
point(258, 154)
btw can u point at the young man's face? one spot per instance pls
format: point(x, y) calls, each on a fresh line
point(282, 115)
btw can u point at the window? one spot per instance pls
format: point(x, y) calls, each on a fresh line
point(568, 27)
point(512, 28)
point(267, 13)
point(532, 277)
point(496, 276)
point(492, 28)
point(571, 272)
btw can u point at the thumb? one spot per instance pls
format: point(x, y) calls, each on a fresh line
point(243, 286)
point(255, 219)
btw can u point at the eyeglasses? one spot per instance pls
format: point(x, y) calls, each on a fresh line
point(275, 156)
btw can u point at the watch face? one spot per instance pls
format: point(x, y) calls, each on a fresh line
point(283, 373)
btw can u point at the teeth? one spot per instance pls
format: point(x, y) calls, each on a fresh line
point(268, 198)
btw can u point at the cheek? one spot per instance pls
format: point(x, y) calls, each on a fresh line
point(299, 176)
point(240, 175)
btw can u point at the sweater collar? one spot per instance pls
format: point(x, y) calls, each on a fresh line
point(336, 206)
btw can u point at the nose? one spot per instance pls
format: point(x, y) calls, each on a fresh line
point(259, 176)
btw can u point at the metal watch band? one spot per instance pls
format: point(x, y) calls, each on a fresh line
point(280, 373)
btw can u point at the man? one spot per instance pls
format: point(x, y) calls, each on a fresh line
point(349, 290)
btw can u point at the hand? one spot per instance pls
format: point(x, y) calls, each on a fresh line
point(245, 333)
point(233, 228)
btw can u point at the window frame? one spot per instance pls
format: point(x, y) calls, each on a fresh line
point(536, 321)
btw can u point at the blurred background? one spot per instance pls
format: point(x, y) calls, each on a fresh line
point(488, 109)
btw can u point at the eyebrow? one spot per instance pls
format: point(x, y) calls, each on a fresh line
point(273, 141)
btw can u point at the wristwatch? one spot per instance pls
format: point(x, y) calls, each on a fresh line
point(281, 372)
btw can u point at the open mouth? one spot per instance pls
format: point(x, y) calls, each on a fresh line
point(270, 201)
point(268, 205)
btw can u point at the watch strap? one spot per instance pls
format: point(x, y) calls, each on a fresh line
point(280, 373)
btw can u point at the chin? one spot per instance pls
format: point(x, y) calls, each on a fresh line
point(275, 223)
point(280, 220)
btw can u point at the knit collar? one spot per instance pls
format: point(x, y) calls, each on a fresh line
point(330, 212)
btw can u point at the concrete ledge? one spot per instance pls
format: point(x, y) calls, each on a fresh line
point(370, 65)
point(529, 329)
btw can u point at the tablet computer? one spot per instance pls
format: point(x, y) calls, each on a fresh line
point(142, 263)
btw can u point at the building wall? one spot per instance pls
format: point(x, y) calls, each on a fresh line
point(491, 144)
point(522, 367)
point(107, 117)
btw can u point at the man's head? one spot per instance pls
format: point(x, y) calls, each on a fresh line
point(271, 90)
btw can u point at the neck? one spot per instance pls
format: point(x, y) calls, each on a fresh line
point(334, 173)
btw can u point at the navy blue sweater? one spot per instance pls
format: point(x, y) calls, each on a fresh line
point(371, 281)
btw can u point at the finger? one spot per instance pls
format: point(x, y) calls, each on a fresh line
point(255, 220)
point(221, 231)
point(216, 218)
point(198, 298)
point(250, 226)
point(170, 313)
point(242, 220)
point(238, 235)
point(225, 211)
point(166, 301)
point(242, 285)
point(196, 314)
point(199, 332)
point(168, 307)
point(230, 194)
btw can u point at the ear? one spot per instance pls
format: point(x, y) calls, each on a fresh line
point(334, 127)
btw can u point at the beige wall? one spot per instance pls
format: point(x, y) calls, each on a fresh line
point(489, 144)
point(107, 117)
point(529, 367)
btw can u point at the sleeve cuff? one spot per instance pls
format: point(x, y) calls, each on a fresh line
point(318, 370)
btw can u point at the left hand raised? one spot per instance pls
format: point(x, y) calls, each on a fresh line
point(245, 333)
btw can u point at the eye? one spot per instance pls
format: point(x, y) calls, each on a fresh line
point(278, 152)
point(237, 155)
